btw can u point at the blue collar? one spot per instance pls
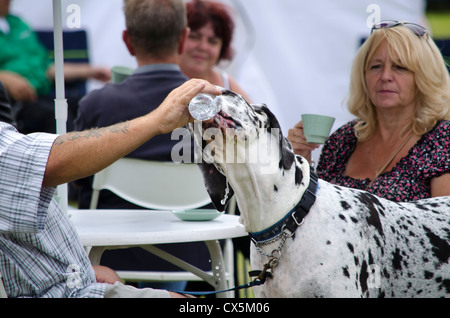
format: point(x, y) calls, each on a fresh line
point(294, 218)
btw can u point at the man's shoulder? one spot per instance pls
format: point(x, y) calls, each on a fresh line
point(108, 91)
point(139, 84)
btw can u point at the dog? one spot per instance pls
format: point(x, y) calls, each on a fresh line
point(313, 238)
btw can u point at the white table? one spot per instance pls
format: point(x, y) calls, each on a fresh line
point(113, 229)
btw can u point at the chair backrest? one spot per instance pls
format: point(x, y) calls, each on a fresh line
point(153, 184)
point(75, 51)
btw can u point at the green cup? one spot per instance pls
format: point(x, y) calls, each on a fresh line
point(120, 73)
point(317, 127)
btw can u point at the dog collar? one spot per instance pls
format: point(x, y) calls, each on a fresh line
point(293, 219)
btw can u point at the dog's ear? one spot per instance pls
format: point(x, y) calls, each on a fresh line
point(216, 185)
point(287, 156)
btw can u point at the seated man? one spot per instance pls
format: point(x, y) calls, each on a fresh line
point(39, 247)
point(28, 75)
point(155, 35)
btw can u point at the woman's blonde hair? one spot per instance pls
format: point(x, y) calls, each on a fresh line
point(419, 55)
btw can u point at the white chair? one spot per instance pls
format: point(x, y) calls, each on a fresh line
point(153, 184)
point(160, 186)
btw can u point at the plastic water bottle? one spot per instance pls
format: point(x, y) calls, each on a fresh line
point(205, 106)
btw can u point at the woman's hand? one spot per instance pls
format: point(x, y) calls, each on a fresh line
point(296, 137)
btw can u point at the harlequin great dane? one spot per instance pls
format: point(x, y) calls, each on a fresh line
point(312, 238)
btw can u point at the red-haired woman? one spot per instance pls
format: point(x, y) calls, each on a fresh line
point(209, 43)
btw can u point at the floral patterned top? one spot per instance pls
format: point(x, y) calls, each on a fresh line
point(409, 179)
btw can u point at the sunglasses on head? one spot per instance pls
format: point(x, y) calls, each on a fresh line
point(417, 29)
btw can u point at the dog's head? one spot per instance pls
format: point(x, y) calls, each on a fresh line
point(239, 135)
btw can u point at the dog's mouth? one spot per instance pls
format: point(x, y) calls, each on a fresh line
point(223, 121)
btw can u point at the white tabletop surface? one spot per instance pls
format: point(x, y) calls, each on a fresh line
point(139, 227)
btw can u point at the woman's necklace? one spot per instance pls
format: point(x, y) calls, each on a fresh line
point(392, 157)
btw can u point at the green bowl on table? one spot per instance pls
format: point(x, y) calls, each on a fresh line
point(197, 214)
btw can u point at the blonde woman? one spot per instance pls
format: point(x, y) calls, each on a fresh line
point(398, 145)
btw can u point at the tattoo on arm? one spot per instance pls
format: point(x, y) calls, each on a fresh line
point(93, 133)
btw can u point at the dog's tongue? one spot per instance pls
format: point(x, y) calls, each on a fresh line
point(221, 121)
point(224, 122)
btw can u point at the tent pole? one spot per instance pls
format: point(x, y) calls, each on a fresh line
point(60, 101)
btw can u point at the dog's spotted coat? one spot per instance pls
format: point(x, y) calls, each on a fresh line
point(351, 244)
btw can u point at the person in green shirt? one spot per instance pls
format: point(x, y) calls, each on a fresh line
point(28, 74)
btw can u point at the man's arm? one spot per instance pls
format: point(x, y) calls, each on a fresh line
point(80, 154)
point(80, 71)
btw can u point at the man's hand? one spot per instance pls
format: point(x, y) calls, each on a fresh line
point(173, 112)
point(106, 275)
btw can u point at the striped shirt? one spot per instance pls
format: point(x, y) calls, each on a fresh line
point(40, 252)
